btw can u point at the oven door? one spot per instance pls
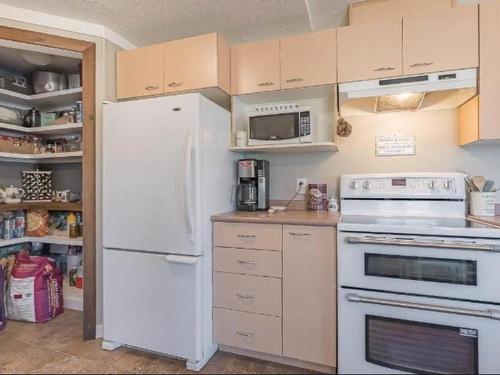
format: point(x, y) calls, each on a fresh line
point(382, 333)
point(274, 129)
point(433, 266)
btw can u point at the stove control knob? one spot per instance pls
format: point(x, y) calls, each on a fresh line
point(447, 184)
point(354, 185)
point(367, 184)
point(432, 184)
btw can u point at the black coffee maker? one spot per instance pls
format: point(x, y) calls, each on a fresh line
point(253, 185)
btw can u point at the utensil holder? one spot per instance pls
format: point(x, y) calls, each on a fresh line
point(482, 204)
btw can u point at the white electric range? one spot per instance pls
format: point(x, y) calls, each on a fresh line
point(418, 282)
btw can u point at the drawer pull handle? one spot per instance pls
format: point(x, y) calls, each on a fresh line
point(291, 80)
point(246, 262)
point(300, 234)
point(246, 235)
point(265, 84)
point(152, 88)
point(384, 69)
point(174, 84)
point(244, 334)
point(245, 296)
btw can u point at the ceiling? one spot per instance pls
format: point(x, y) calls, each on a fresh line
point(152, 21)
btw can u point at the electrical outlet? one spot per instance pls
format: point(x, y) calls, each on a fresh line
point(301, 188)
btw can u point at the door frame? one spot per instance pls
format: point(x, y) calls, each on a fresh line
point(88, 50)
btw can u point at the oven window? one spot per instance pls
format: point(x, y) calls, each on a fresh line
point(421, 347)
point(441, 270)
point(274, 127)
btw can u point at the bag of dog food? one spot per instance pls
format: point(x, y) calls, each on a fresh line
point(35, 290)
point(3, 317)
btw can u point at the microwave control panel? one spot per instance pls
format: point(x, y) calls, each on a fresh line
point(304, 123)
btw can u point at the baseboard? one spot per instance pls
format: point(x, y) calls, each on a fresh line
point(99, 331)
point(282, 360)
point(73, 303)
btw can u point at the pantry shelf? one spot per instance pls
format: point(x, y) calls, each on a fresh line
point(56, 240)
point(64, 129)
point(50, 206)
point(61, 98)
point(61, 157)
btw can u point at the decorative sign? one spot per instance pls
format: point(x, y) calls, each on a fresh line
point(394, 144)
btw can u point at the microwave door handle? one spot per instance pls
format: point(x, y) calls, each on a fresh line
point(490, 314)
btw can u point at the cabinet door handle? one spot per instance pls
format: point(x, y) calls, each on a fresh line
point(384, 68)
point(246, 235)
point(175, 84)
point(299, 234)
point(294, 80)
point(149, 88)
point(419, 64)
point(244, 334)
point(246, 262)
point(244, 296)
point(265, 84)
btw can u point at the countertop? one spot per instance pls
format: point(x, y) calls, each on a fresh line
point(491, 220)
point(292, 217)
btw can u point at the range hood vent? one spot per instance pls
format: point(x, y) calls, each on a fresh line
point(409, 93)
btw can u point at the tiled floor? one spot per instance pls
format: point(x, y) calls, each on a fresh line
point(56, 347)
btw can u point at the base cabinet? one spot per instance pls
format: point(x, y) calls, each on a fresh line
point(309, 294)
point(279, 300)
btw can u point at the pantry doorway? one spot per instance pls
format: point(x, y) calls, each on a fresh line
point(88, 167)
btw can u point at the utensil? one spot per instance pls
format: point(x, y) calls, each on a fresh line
point(479, 181)
point(470, 183)
point(488, 186)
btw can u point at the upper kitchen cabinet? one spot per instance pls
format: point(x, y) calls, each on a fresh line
point(255, 67)
point(371, 11)
point(309, 59)
point(139, 72)
point(479, 117)
point(196, 63)
point(441, 40)
point(369, 51)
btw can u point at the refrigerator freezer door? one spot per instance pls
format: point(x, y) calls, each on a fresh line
point(153, 302)
point(150, 171)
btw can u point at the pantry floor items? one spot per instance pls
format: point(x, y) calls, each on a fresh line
point(56, 347)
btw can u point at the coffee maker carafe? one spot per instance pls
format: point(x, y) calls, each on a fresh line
point(253, 185)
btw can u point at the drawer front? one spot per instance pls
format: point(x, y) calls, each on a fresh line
point(254, 294)
point(248, 331)
point(248, 262)
point(248, 236)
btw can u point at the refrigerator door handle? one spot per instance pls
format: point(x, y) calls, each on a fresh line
point(181, 259)
point(187, 186)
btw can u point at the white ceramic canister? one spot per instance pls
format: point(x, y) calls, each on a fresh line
point(241, 138)
point(482, 204)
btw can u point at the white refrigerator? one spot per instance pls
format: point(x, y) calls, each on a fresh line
point(167, 168)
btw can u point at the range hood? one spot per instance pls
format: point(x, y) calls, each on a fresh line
point(431, 91)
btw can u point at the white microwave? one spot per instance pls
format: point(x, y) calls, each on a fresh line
point(280, 124)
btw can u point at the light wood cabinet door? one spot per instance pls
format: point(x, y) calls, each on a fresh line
point(255, 67)
point(309, 59)
point(489, 72)
point(369, 51)
point(139, 72)
point(193, 63)
point(440, 41)
point(309, 294)
point(373, 11)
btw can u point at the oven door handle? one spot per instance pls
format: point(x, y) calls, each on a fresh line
point(415, 243)
point(491, 314)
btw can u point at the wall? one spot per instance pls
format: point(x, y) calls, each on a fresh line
point(105, 88)
point(436, 143)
